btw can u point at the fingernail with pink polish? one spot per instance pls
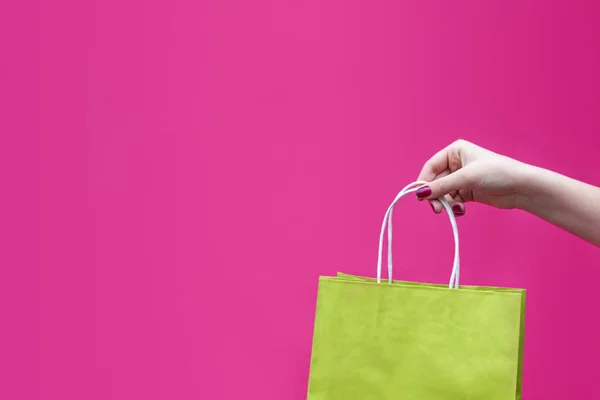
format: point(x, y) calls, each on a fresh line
point(424, 192)
point(457, 210)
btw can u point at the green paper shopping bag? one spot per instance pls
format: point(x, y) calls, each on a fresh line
point(408, 340)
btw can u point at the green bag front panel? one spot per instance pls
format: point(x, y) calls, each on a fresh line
point(522, 292)
point(414, 341)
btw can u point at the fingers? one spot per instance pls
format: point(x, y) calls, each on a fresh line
point(454, 182)
point(456, 203)
point(453, 198)
point(447, 179)
point(438, 176)
point(434, 166)
point(447, 159)
point(436, 206)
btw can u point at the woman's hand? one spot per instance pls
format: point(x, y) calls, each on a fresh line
point(464, 172)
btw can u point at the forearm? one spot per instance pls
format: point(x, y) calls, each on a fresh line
point(562, 201)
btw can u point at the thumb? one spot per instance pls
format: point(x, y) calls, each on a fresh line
point(448, 184)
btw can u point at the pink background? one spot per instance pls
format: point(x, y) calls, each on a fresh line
point(177, 174)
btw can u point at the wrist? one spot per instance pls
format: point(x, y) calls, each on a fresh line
point(533, 187)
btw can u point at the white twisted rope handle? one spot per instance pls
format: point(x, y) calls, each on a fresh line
point(387, 220)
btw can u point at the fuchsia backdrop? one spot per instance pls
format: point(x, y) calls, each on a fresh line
point(177, 174)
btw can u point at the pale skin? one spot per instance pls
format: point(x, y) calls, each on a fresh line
point(464, 172)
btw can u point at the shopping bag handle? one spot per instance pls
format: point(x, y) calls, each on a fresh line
point(387, 220)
